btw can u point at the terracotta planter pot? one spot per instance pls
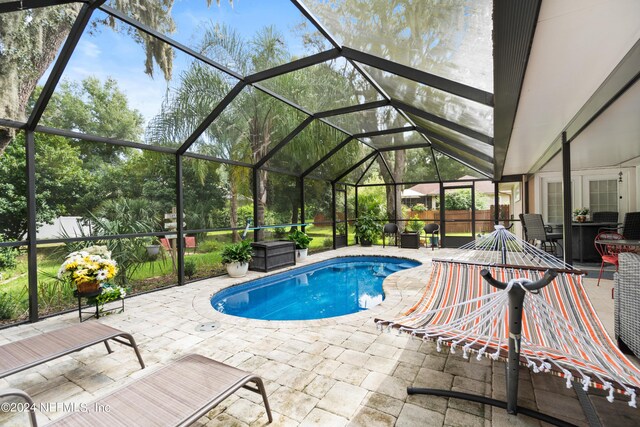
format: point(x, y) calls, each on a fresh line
point(88, 287)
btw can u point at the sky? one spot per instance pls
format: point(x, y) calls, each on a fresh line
point(106, 53)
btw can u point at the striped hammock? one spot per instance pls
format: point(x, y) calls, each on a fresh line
point(561, 332)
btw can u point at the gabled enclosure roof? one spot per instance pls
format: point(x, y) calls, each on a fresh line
point(411, 75)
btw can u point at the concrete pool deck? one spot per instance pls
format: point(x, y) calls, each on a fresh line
point(329, 372)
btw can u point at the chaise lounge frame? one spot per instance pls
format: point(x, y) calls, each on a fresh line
point(177, 394)
point(29, 352)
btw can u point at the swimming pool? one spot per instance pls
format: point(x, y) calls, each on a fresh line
point(329, 288)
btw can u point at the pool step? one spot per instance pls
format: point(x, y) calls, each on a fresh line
point(406, 265)
point(393, 267)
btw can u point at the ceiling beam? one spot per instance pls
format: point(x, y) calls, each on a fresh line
point(514, 24)
point(450, 86)
point(298, 64)
point(353, 108)
point(443, 122)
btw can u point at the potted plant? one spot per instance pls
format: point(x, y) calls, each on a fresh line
point(581, 214)
point(302, 240)
point(410, 238)
point(109, 293)
point(236, 257)
point(367, 229)
point(89, 268)
point(152, 244)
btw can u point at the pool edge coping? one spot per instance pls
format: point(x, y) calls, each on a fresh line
point(393, 297)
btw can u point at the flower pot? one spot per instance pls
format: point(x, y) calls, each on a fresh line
point(301, 254)
point(365, 242)
point(581, 218)
point(88, 287)
point(153, 250)
point(237, 269)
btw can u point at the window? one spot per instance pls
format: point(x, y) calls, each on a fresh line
point(554, 202)
point(603, 196)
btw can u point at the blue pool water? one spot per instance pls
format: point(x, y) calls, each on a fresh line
point(330, 288)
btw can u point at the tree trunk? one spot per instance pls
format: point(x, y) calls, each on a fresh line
point(260, 136)
point(233, 208)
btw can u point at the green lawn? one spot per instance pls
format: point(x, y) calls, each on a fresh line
point(56, 296)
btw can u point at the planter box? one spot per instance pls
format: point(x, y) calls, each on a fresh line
point(341, 241)
point(410, 240)
point(268, 256)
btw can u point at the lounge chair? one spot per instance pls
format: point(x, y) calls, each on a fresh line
point(29, 352)
point(178, 394)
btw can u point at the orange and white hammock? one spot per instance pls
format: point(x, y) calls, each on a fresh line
point(561, 332)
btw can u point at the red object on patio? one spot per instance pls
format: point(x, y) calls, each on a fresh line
point(608, 252)
point(165, 243)
point(190, 243)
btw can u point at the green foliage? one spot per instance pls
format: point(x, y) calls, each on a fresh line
point(367, 228)
point(327, 243)
point(371, 202)
point(419, 207)
point(7, 306)
point(300, 238)
point(7, 256)
point(55, 295)
point(209, 245)
point(189, 268)
point(237, 252)
point(415, 224)
point(458, 200)
point(581, 211)
point(60, 179)
point(129, 253)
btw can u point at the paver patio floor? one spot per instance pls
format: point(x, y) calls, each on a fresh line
point(331, 372)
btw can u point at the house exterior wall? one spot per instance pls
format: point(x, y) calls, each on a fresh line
point(627, 191)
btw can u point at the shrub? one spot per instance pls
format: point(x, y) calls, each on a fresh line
point(7, 257)
point(415, 225)
point(189, 268)
point(237, 252)
point(300, 238)
point(327, 243)
point(7, 306)
point(367, 228)
point(208, 246)
point(419, 207)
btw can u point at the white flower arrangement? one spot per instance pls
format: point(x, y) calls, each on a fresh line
point(94, 264)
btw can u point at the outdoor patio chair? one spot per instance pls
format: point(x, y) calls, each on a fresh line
point(177, 394)
point(29, 352)
point(536, 231)
point(190, 243)
point(605, 217)
point(390, 229)
point(434, 230)
point(609, 253)
point(630, 226)
point(164, 242)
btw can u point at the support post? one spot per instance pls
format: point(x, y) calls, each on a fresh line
point(395, 204)
point(179, 220)
point(356, 208)
point(302, 218)
point(256, 177)
point(32, 248)
point(333, 211)
point(567, 236)
point(443, 227)
point(496, 204)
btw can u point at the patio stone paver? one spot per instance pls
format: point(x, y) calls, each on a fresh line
point(339, 371)
point(343, 399)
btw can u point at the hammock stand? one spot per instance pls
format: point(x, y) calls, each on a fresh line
point(493, 252)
